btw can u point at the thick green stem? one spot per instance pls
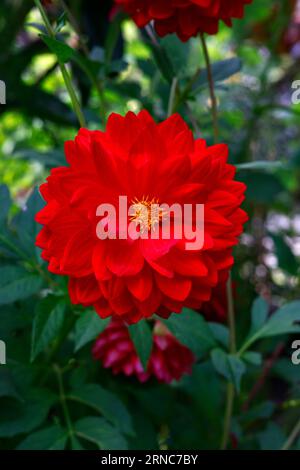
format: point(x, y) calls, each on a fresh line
point(63, 68)
point(214, 106)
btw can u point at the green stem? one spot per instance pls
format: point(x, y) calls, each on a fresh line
point(231, 321)
point(214, 106)
point(292, 437)
point(172, 97)
point(63, 402)
point(75, 25)
point(64, 71)
point(95, 82)
point(232, 349)
point(228, 415)
point(230, 305)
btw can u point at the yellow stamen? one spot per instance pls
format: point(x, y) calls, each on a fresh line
point(147, 213)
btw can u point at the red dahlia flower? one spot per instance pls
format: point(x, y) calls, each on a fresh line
point(135, 278)
point(186, 18)
point(169, 359)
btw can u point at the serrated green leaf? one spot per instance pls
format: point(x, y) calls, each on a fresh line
point(106, 403)
point(47, 323)
point(141, 336)
point(88, 326)
point(52, 438)
point(101, 433)
point(192, 330)
point(23, 418)
point(17, 284)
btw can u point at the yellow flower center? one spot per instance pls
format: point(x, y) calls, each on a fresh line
point(146, 213)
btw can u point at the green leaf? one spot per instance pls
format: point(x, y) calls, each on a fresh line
point(63, 52)
point(221, 70)
point(17, 284)
point(22, 418)
point(280, 323)
point(253, 358)
point(229, 366)
point(286, 370)
point(25, 224)
point(259, 314)
point(272, 438)
point(38, 26)
point(5, 202)
point(47, 324)
point(106, 403)
point(177, 52)
point(262, 187)
point(286, 259)
point(61, 22)
point(112, 36)
point(220, 333)
point(141, 336)
point(261, 411)
point(7, 385)
point(88, 327)
point(101, 433)
point(163, 62)
point(192, 330)
point(52, 438)
point(283, 321)
point(75, 444)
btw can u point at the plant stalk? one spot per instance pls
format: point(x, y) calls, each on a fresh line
point(214, 105)
point(63, 68)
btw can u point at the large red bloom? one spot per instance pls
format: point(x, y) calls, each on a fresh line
point(169, 359)
point(145, 161)
point(186, 18)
